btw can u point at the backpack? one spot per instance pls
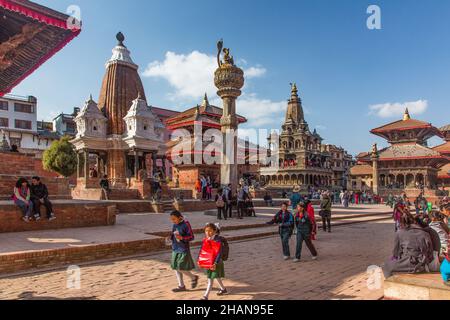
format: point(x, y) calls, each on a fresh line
point(220, 203)
point(225, 248)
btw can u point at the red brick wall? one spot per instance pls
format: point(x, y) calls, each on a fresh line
point(58, 188)
point(69, 215)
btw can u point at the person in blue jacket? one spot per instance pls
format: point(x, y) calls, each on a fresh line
point(182, 261)
point(285, 221)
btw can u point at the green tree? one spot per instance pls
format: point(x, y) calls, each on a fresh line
point(61, 158)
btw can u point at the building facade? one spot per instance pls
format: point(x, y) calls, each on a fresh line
point(20, 127)
point(64, 124)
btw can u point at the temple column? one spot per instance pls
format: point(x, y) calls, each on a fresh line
point(78, 165)
point(375, 176)
point(86, 165)
point(229, 81)
point(136, 164)
point(154, 171)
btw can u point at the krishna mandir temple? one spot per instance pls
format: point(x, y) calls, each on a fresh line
point(121, 131)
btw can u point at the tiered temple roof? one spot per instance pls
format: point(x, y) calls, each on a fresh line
point(407, 130)
point(206, 114)
point(30, 34)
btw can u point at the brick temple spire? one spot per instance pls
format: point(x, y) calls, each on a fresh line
point(294, 113)
point(121, 85)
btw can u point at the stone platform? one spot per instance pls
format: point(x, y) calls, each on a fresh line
point(416, 287)
point(69, 213)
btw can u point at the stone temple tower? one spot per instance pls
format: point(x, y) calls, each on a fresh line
point(120, 134)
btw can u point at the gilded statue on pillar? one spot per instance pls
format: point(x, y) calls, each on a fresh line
point(228, 59)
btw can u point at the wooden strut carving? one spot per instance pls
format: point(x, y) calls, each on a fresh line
point(10, 49)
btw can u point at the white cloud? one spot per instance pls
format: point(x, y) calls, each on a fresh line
point(389, 110)
point(261, 112)
point(255, 72)
point(191, 75)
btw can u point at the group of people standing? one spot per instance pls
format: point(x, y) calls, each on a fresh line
point(31, 197)
point(204, 186)
point(225, 201)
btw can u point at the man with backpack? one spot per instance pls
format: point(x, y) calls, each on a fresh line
point(285, 221)
point(221, 203)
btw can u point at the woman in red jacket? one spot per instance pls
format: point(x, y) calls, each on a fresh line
point(312, 218)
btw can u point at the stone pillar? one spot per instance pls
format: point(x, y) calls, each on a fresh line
point(229, 81)
point(136, 165)
point(78, 165)
point(375, 175)
point(86, 165)
point(154, 167)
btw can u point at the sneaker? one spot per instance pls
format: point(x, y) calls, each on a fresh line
point(26, 219)
point(314, 258)
point(179, 289)
point(296, 260)
point(222, 292)
point(194, 282)
point(52, 217)
point(37, 217)
point(286, 258)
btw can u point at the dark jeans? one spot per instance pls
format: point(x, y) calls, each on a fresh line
point(307, 239)
point(241, 209)
point(228, 210)
point(220, 212)
point(285, 234)
point(47, 204)
point(326, 221)
point(204, 193)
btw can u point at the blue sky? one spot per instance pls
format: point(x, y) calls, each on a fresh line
point(341, 67)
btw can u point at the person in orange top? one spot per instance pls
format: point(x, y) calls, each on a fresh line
point(198, 186)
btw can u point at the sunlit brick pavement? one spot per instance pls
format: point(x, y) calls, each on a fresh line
point(255, 271)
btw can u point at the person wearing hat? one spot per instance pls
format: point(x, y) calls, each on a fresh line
point(296, 198)
point(325, 211)
point(304, 227)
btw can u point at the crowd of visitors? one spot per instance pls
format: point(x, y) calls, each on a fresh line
point(422, 237)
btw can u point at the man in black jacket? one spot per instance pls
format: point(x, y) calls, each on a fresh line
point(39, 197)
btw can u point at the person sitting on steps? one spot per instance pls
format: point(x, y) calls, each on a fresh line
point(39, 197)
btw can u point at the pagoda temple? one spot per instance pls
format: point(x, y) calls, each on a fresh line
point(119, 136)
point(303, 159)
point(444, 149)
point(408, 165)
point(205, 116)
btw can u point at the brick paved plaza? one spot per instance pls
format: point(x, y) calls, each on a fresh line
point(255, 271)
